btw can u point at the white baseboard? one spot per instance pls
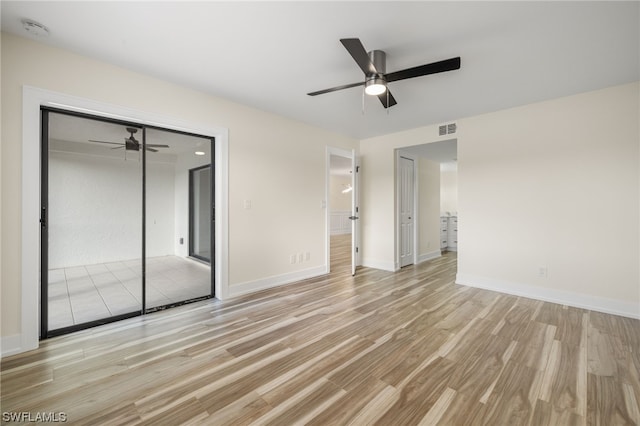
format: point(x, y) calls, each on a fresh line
point(428, 256)
point(10, 345)
point(578, 300)
point(377, 264)
point(274, 281)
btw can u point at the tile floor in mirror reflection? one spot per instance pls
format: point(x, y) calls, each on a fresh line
point(91, 292)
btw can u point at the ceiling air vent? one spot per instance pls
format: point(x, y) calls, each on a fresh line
point(447, 129)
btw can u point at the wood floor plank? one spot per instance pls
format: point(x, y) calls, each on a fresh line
point(343, 410)
point(611, 408)
point(510, 402)
point(278, 392)
point(419, 395)
point(404, 348)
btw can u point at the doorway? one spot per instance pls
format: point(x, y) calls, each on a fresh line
point(114, 220)
point(434, 220)
point(342, 210)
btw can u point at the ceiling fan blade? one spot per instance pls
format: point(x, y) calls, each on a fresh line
point(151, 149)
point(433, 68)
point(383, 99)
point(359, 54)
point(155, 145)
point(118, 147)
point(112, 143)
point(334, 89)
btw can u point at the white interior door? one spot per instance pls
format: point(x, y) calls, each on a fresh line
point(407, 171)
point(355, 213)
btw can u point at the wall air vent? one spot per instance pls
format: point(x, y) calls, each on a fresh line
point(447, 129)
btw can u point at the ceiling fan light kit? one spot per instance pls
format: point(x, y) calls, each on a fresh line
point(375, 86)
point(374, 66)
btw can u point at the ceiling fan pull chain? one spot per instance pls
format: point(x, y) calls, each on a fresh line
point(387, 108)
point(362, 101)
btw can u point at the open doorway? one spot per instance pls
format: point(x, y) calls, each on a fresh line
point(342, 211)
point(432, 189)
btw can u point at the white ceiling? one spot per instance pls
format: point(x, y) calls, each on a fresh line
point(270, 54)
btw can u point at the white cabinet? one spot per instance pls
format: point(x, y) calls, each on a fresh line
point(444, 234)
point(449, 233)
point(452, 233)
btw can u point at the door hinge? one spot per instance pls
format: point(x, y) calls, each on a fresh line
point(357, 169)
point(357, 211)
point(357, 248)
point(43, 217)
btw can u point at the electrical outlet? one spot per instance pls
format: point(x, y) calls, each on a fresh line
point(542, 272)
point(181, 240)
point(300, 257)
point(292, 259)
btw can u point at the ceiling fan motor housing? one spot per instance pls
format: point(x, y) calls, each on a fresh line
point(379, 60)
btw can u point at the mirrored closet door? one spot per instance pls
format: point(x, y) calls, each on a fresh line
point(116, 221)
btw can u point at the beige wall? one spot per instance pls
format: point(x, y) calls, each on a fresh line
point(553, 184)
point(429, 210)
point(449, 189)
point(276, 163)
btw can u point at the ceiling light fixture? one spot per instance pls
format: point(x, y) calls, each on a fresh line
point(375, 86)
point(199, 153)
point(35, 28)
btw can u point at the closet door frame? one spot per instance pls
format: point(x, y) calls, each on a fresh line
point(44, 224)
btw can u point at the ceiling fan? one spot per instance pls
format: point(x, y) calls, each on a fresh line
point(374, 66)
point(131, 143)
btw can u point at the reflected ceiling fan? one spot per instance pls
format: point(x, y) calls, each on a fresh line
point(132, 144)
point(374, 66)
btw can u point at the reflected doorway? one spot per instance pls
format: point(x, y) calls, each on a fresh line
point(200, 213)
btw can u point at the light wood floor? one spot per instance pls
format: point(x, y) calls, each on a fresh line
point(382, 348)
